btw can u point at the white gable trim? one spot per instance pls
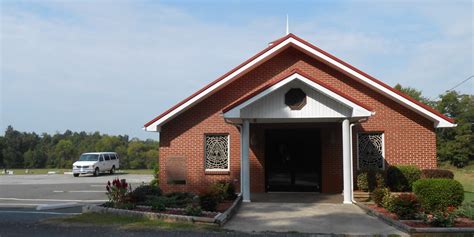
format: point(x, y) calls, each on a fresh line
point(357, 111)
point(154, 127)
point(439, 121)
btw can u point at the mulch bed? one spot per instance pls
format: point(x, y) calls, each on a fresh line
point(383, 211)
point(460, 221)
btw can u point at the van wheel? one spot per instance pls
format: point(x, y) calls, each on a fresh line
point(96, 172)
point(112, 171)
point(76, 175)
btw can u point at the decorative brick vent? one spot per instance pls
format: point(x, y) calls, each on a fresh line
point(295, 98)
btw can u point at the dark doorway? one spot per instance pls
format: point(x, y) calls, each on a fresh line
point(293, 160)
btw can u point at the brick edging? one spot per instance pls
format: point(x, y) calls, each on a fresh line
point(404, 227)
point(222, 218)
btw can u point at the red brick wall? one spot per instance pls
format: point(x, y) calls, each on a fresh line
point(409, 137)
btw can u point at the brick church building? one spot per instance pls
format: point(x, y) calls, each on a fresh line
point(292, 118)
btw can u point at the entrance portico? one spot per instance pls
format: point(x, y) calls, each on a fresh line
point(297, 99)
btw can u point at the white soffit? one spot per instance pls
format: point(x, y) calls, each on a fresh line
point(357, 110)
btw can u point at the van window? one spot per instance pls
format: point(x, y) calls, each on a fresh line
point(106, 156)
point(112, 157)
point(101, 158)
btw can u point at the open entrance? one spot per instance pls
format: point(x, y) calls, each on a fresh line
point(293, 160)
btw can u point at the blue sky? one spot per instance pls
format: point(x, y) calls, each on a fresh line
point(111, 66)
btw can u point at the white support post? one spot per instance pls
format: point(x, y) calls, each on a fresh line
point(346, 161)
point(244, 161)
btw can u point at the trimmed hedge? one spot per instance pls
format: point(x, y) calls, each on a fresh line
point(438, 194)
point(400, 178)
point(368, 180)
point(436, 174)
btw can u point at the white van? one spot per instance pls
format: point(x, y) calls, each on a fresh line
point(96, 163)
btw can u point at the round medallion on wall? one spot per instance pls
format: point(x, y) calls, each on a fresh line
point(295, 98)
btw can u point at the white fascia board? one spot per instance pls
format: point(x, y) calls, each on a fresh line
point(357, 111)
point(155, 126)
point(439, 122)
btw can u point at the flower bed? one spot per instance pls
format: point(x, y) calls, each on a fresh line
point(461, 224)
point(172, 214)
point(216, 205)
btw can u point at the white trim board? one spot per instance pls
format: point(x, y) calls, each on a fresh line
point(438, 121)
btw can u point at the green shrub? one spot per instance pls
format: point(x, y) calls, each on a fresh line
point(378, 194)
point(387, 202)
point(400, 178)
point(159, 204)
point(140, 194)
point(156, 175)
point(192, 210)
point(180, 199)
point(438, 194)
point(209, 201)
point(436, 174)
point(368, 180)
point(467, 210)
point(406, 206)
point(223, 190)
point(440, 218)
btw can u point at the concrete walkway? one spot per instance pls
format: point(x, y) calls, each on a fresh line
point(321, 218)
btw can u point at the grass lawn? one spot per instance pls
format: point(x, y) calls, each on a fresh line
point(61, 171)
point(131, 222)
point(137, 171)
point(465, 176)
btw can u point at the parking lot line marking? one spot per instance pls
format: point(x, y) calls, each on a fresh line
point(18, 204)
point(86, 191)
point(42, 212)
point(58, 191)
point(51, 200)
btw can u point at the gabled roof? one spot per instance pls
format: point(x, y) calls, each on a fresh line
point(360, 109)
point(277, 46)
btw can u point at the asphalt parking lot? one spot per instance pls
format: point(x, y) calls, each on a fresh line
point(20, 195)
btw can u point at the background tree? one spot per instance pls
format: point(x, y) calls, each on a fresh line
point(457, 144)
point(12, 152)
point(60, 150)
point(2, 146)
point(414, 93)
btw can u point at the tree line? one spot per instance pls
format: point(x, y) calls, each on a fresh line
point(31, 150)
point(454, 145)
